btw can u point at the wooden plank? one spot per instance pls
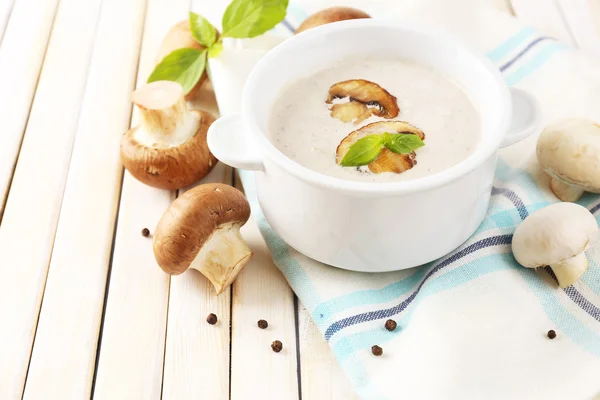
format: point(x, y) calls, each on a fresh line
point(580, 20)
point(131, 353)
point(197, 354)
point(322, 376)
point(261, 292)
point(32, 210)
point(21, 54)
point(62, 365)
point(5, 10)
point(543, 15)
point(595, 11)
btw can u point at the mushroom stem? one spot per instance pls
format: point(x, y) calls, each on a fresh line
point(222, 256)
point(565, 191)
point(165, 120)
point(569, 271)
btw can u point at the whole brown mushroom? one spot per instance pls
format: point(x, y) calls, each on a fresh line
point(329, 15)
point(180, 37)
point(201, 230)
point(168, 150)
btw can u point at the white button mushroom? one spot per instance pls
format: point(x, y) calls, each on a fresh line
point(201, 230)
point(557, 235)
point(569, 151)
point(168, 150)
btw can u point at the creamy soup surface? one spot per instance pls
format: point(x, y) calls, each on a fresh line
point(301, 126)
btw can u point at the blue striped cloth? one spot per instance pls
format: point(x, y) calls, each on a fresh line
point(473, 324)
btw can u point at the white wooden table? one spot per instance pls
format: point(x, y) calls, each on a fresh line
point(84, 310)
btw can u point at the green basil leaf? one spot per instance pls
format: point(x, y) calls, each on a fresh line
point(402, 143)
point(363, 152)
point(202, 30)
point(250, 18)
point(215, 49)
point(184, 66)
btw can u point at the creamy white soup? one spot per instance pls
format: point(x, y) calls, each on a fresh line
point(303, 128)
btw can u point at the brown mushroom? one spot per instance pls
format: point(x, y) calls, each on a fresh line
point(180, 37)
point(201, 230)
point(364, 92)
point(329, 15)
point(168, 150)
point(387, 161)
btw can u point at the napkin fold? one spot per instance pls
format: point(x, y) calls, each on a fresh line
point(473, 324)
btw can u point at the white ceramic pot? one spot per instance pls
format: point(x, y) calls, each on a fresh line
point(367, 226)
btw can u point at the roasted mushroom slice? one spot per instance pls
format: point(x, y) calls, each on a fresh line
point(387, 161)
point(368, 93)
point(351, 112)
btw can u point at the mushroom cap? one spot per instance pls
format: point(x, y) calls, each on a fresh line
point(179, 37)
point(554, 234)
point(329, 15)
point(170, 167)
point(191, 220)
point(569, 150)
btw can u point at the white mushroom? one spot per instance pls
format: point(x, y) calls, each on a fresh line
point(569, 151)
point(557, 235)
point(201, 230)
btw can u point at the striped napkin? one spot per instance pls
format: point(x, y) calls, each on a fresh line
point(473, 324)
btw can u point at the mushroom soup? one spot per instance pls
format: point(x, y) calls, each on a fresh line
point(375, 120)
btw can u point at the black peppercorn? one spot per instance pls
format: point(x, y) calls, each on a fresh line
point(277, 346)
point(145, 232)
point(390, 325)
point(262, 324)
point(376, 350)
point(551, 334)
point(211, 319)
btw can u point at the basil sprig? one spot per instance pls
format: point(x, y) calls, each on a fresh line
point(367, 149)
point(242, 19)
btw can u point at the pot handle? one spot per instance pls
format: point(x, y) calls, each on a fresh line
point(526, 117)
point(227, 141)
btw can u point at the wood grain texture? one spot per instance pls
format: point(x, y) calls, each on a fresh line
point(579, 17)
point(63, 359)
point(543, 15)
point(32, 210)
point(261, 292)
point(595, 11)
point(322, 376)
point(131, 354)
point(197, 353)
point(6, 7)
point(22, 52)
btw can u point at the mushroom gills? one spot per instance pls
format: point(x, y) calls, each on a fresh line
point(165, 119)
point(222, 256)
point(570, 270)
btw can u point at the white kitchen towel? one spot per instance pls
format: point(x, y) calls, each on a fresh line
point(473, 324)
